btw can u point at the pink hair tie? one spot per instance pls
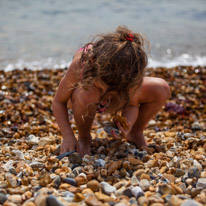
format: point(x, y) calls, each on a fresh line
point(130, 38)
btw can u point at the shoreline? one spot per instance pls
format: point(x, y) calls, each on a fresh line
point(171, 171)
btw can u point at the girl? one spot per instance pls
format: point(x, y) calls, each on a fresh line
point(107, 75)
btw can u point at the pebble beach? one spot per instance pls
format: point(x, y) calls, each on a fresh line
point(170, 171)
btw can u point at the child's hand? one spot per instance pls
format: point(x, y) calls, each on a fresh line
point(124, 132)
point(69, 144)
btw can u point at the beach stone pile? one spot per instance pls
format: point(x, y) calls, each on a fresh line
point(171, 170)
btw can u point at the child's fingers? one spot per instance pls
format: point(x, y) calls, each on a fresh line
point(115, 136)
point(123, 132)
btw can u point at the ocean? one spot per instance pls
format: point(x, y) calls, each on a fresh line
point(45, 34)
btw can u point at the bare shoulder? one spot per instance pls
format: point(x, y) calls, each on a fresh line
point(67, 83)
point(150, 88)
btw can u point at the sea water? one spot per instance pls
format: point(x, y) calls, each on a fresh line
point(45, 34)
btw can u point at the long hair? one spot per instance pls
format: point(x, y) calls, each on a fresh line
point(118, 61)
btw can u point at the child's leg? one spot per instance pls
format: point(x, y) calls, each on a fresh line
point(83, 117)
point(155, 93)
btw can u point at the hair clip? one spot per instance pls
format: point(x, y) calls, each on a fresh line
point(130, 38)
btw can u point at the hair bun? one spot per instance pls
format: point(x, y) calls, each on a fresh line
point(123, 32)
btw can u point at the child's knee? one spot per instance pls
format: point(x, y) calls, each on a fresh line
point(157, 89)
point(162, 89)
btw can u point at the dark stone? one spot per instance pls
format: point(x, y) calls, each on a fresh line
point(12, 171)
point(3, 198)
point(193, 172)
point(57, 181)
point(70, 181)
point(51, 200)
point(179, 173)
point(75, 158)
point(127, 192)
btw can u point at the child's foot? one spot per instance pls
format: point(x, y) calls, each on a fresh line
point(85, 146)
point(137, 138)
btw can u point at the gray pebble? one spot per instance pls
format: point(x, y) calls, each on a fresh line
point(107, 188)
point(201, 183)
point(144, 184)
point(57, 181)
point(137, 192)
point(3, 198)
point(99, 163)
point(190, 202)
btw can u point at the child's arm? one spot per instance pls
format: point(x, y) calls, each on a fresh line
point(59, 106)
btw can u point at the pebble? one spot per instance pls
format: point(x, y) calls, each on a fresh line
point(37, 165)
point(193, 172)
point(134, 181)
point(71, 181)
point(16, 199)
point(102, 197)
point(107, 188)
point(51, 200)
point(144, 184)
point(134, 161)
point(94, 185)
point(201, 183)
point(75, 158)
point(99, 163)
point(175, 201)
point(57, 181)
point(179, 173)
point(78, 197)
point(3, 198)
point(137, 192)
point(33, 140)
point(93, 201)
point(190, 203)
point(169, 171)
